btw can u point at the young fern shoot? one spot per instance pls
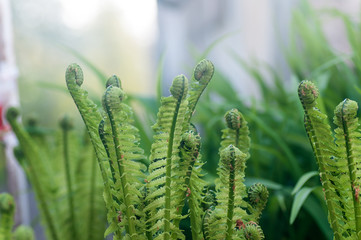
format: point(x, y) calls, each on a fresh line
point(233, 217)
point(338, 160)
point(148, 204)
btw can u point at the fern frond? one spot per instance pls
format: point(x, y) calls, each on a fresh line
point(202, 74)
point(349, 148)
point(168, 129)
point(322, 142)
point(190, 165)
point(230, 193)
point(126, 156)
point(258, 196)
point(237, 132)
point(91, 117)
point(251, 231)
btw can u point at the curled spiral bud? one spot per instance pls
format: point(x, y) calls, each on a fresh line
point(7, 204)
point(114, 81)
point(253, 231)
point(232, 153)
point(112, 97)
point(74, 74)
point(179, 87)
point(23, 233)
point(66, 123)
point(190, 141)
point(345, 111)
point(209, 200)
point(258, 195)
point(204, 71)
point(308, 93)
point(234, 119)
point(12, 113)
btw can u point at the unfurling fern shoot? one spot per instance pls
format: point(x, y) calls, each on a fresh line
point(232, 213)
point(148, 205)
point(339, 160)
point(349, 148)
point(165, 158)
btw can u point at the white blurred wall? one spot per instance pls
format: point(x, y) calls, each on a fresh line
point(255, 30)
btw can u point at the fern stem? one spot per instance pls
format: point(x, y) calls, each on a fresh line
point(168, 173)
point(69, 183)
point(104, 141)
point(92, 197)
point(148, 224)
point(28, 147)
point(231, 188)
point(191, 203)
point(352, 172)
point(237, 140)
point(123, 179)
point(112, 170)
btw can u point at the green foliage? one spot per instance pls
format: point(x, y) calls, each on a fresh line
point(61, 167)
point(338, 157)
point(147, 203)
point(230, 187)
point(7, 212)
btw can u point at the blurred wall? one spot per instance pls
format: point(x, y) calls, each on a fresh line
point(247, 29)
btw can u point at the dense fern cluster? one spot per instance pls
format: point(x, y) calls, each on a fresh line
point(338, 155)
point(147, 201)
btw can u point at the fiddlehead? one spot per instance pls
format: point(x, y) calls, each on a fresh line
point(7, 211)
point(114, 81)
point(202, 74)
point(237, 132)
point(253, 231)
point(162, 182)
point(258, 196)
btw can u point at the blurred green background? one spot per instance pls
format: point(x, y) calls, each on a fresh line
point(312, 40)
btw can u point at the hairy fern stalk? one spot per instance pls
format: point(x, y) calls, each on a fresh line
point(338, 156)
point(150, 201)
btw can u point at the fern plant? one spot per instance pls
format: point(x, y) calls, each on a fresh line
point(7, 212)
point(338, 156)
point(62, 170)
point(146, 202)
